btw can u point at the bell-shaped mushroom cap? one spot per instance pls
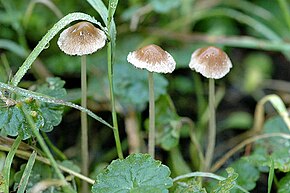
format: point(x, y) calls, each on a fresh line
point(211, 62)
point(81, 39)
point(153, 58)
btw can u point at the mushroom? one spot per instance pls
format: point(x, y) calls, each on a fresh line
point(154, 59)
point(212, 63)
point(82, 39)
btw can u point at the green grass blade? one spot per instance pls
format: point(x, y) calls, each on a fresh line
point(101, 8)
point(277, 103)
point(8, 162)
point(285, 9)
point(271, 176)
point(13, 47)
point(48, 99)
point(26, 173)
point(46, 39)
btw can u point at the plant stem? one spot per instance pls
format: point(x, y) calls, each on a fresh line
point(84, 124)
point(151, 143)
point(114, 113)
point(67, 188)
point(111, 10)
point(8, 162)
point(212, 127)
point(26, 154)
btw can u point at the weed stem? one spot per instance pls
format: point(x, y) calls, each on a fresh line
point(212, 127)
point(151, 143)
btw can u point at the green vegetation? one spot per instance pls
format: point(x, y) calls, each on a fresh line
point(42, 145)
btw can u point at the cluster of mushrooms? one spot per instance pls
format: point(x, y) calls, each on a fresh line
point(84, 38)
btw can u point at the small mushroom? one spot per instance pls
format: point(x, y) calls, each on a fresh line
point(154, 59)
point(81, 39)
point(211, 62)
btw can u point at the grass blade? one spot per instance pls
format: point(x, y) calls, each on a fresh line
point(49, 99)
point(46, 39)
point(271, 176)
point(26, 173)
point(8, 162)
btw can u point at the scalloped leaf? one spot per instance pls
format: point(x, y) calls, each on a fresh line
point(46, 115)
point(52, 113)
point(13, 121)
point(191, 186)
point(138, 173)
point(224, 186)
point(284, 184)
point(274, 148)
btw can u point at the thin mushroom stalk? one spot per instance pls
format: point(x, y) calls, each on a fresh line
point(155, 60)
point(151, 138)
point(84, 122)
point(212, 126)
point(212, 63)
point(82, 39)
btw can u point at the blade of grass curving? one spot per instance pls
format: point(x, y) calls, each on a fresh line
point(46, 39)
point(106, 16)
point(285, 10)
point(271, 176)
point(206, 175)
point(49, 99)
point(25, 155)
point(26, 173)
point(277, 103)
point(13, 47)
point(231, 13)
point(8, 162)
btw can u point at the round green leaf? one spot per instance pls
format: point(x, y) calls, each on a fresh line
point(138, 173)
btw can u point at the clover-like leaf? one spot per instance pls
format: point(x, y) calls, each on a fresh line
point(248, 174)
point(52, 113)
point(224, 186)
point(138, 173)
point(168, 123)
point(274, 148)
point(191, 186)
point(45, 115)
point(13, 120)
point(284, 184)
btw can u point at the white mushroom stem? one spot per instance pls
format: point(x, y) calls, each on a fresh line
point(84, 122)
point(151, 143)
point(211, 128)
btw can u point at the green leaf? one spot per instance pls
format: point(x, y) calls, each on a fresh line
point(224, 186)
point(132, 85)
point(39, 173)
point(248, 174)
point(2, 183)
point(168, 123)
point(284, 184)
point(164, 6)
point(13, 120)
point(192, 186)
point(52, 113)
point(138, 173)
point(26, 174)
point(273, 148)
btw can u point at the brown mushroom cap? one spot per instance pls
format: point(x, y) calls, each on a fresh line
point(211, 62)
point(153, 58)
point(81, 39)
